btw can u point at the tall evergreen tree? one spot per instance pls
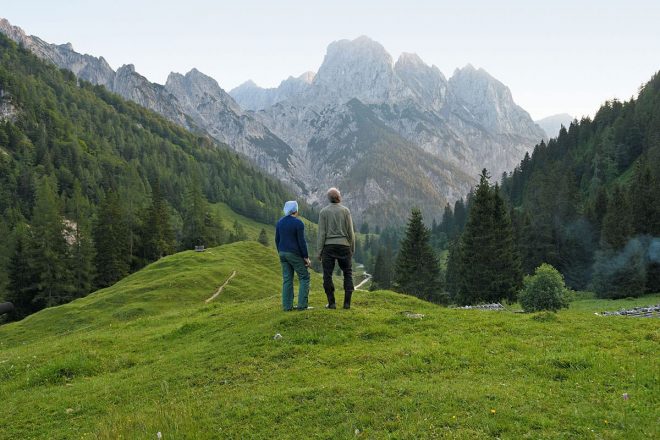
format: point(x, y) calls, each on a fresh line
point(417, 271)
point(382, 273)
point(195, 216)
point(644, 201)
point(489, 267)
point(507, 273)
point(81, 246)
point(5, 255)
point(112, 238)
point(158, 236)
point(617, 223)
point(48, 249)
point(22, 280)
point(263, 237)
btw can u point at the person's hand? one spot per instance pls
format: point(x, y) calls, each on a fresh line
point(308, 262)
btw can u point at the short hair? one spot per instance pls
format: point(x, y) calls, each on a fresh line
point(334, 196)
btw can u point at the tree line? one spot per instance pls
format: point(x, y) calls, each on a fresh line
point(586, 203)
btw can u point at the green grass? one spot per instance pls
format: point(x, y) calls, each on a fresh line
point(149, 355)
point(252, 227)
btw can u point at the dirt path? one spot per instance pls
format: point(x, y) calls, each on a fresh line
point(217, 292)
point(364, 281)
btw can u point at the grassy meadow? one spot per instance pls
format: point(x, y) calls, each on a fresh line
point(148, 355)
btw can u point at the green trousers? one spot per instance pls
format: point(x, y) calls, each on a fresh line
point(294, 263)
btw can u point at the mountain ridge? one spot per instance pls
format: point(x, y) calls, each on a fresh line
point(411, 98)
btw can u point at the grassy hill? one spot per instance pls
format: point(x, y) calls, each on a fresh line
point(148, 355)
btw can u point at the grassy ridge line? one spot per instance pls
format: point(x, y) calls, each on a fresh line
point(151, 356)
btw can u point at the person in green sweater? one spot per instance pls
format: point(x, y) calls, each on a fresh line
point(336, 243)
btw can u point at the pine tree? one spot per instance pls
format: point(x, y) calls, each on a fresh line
point(22, 280)
point(111, 235)
point(195, 231)
point(485, 265)
point(158, 235)
point(477, 247)
point(645, 201)
point(447, 226)
point(417, 271)
point(507, 274)
point(382, 274)
point(263, 237)
point(5, 255)
point(453, 274)
point(617, 223)
point(82, 251)
point(238, 233)
point(48, 249)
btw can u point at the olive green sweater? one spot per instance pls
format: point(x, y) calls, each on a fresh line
point(336, 227)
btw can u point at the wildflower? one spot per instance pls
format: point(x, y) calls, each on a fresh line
point(606, 422)
point(625, 396)
point(159, 435)
point(492, 411)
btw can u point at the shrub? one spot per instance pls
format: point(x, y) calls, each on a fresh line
point(545, 290)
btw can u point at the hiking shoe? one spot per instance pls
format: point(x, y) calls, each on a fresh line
point(347, 306)
point(304, 308)
point(330, 306)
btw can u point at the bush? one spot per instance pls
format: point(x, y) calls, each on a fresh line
point(545, 290)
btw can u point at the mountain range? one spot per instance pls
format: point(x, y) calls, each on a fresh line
point(390, 135)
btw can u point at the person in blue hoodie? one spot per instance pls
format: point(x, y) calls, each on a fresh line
point(292, 248)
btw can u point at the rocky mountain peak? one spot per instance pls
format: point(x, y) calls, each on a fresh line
point(126, 68)
point(480, 96)
point(307, 77)
point(359, 68)
point(409, 58)
point(427, 82)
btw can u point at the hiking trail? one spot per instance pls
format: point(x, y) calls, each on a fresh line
point(217, 292)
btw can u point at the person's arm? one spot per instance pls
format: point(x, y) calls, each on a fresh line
point(320, 241)
point(351, 232)
point(277, 236)
point(302, 244)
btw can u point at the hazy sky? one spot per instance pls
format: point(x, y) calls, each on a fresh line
point(555, 56)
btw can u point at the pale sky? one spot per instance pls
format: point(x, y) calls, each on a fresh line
point(555, 56)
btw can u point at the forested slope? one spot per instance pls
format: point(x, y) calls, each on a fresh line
point(588, 202)
point(93, 186)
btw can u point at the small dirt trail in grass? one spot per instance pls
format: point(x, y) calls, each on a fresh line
point(217, 292)
point(364, 281)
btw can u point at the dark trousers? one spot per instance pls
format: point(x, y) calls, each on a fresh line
point(341, 254)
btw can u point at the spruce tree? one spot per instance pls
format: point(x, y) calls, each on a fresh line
point(477, 247)
point(5, 255)
point(382, 274)
point(485, 265)
point(644, 201)
point(157, 236)
point(21, 288)
point(617, 223)
point(82, 251)
point(111, 235)
point(195, 232)
point(507, 274)
point(417, 271)
point(48, 249)
point(238, 233)
point(263, 237)
point(453, 274)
